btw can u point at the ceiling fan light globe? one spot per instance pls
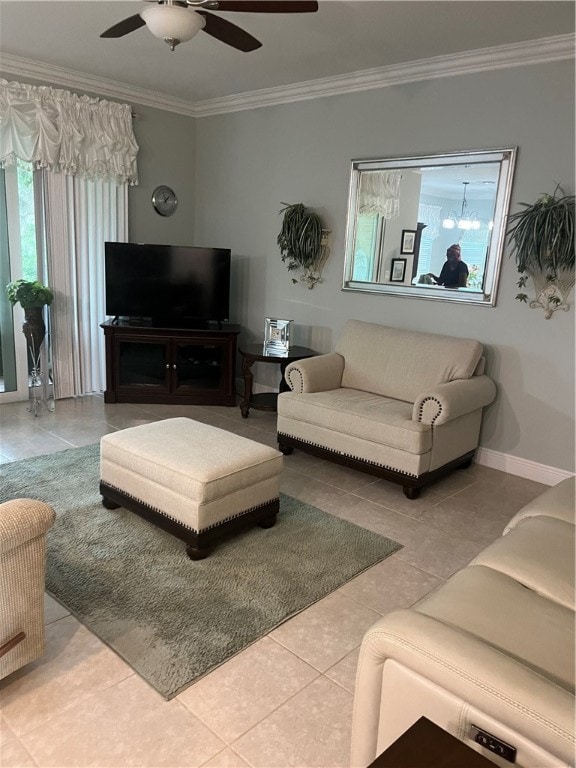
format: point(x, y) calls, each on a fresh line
point(172, 22)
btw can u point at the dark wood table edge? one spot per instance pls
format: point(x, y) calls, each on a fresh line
point(426, 745)
point(254, 353)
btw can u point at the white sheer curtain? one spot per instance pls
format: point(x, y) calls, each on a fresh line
point(80, 215)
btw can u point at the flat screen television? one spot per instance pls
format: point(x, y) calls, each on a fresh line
point(167, 285)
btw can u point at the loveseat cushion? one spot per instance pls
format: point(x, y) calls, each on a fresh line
point(401, 364)
point(370, 417)
point(525, 554)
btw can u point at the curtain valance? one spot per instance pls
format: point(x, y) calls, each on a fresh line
point(380, 193)
point(63, 131)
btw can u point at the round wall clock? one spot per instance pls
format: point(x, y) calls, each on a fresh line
point(164, 200)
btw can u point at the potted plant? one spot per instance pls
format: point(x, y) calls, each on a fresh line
point(302, 242)
point(32, 297)
point(542, 240)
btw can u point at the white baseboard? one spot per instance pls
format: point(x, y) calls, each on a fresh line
point(504, 462)
point(514, 465)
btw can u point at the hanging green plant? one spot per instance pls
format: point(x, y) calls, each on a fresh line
point(541, 237)
point(302, 242)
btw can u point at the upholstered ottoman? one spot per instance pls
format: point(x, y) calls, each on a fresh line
point(195, 481)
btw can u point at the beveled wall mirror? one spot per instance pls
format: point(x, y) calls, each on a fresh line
point(404, 214)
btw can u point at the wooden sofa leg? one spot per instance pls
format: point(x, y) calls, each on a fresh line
point(16, 640)
point(268, 522)
point(285, 449)
point(411, 493)
point(109, 504)
point(197, 553)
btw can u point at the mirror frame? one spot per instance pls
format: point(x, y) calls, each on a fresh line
point(507, 160)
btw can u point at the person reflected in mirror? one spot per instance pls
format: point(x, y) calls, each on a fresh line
point(454, 273)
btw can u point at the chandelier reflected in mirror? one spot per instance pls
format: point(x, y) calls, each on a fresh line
point(465, 220)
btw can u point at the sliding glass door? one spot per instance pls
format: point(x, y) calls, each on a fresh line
point(18, 258)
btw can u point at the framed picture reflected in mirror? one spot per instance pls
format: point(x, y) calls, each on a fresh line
point(397, 270)
point(408, 241)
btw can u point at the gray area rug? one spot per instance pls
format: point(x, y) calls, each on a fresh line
point(171, 619)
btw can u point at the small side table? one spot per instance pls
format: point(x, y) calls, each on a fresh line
point(425, 744)
point(254, 353)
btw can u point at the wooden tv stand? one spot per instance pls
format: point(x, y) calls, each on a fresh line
point(188, 366)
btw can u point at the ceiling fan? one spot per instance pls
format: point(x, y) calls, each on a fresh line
point(176, 21)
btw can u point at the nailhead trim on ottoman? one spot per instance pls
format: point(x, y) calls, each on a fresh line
point(193, 480)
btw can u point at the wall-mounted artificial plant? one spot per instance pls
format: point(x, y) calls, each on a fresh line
point(302, 242)
point(541, 236)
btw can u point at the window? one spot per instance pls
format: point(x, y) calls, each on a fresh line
point(18, 257)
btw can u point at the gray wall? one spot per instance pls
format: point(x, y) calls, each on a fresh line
point(249, 163)
point(166, 156)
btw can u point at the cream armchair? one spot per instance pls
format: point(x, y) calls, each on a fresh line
point(402, 405)
point(23, 526)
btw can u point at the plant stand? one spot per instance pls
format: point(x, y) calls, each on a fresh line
point(40, 385)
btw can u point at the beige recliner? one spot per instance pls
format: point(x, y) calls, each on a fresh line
point(23, 526)
point(403, 405)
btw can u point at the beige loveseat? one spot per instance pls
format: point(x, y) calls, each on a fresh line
point(492, 648)
point(23, 526)
point(403, 405)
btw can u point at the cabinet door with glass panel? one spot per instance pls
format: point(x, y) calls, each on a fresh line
point(143, 365)
point(199, 365)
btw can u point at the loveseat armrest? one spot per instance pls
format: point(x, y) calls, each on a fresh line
point(452, 664)
point(22, 520)
point(452, 399)
point(315, 374)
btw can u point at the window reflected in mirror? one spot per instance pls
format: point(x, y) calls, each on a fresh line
point(437, 222)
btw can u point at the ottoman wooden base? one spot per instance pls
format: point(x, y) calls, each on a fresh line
point(199, 545)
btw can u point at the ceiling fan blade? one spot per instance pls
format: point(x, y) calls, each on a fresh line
point(268, 6)
point(124, 27)
point(229, 33)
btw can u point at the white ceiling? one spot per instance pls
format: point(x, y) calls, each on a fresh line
point(344, 36)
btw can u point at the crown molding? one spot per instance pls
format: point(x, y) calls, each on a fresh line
point(101, 86)
point(540, 51)
point(543, 50)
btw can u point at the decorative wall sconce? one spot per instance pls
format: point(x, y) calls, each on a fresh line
point(542, 240)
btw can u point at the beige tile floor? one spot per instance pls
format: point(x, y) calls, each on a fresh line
point(287, 699)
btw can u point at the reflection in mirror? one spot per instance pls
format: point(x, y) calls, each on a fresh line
point(405, 214)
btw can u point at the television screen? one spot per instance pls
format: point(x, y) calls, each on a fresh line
point(167, 284)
